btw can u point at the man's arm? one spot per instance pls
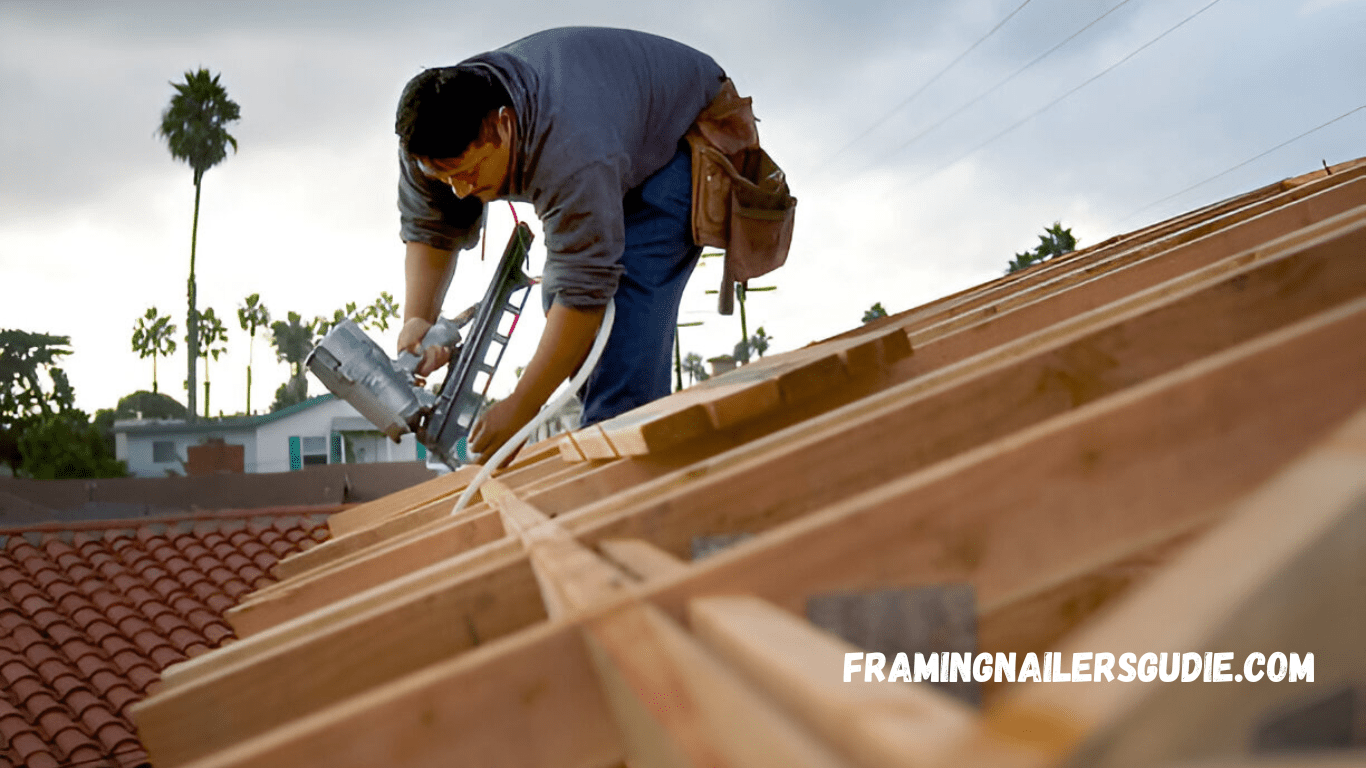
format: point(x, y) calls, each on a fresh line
point(427, 274)
point(564, 344)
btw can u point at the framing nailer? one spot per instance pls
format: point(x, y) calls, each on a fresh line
point(386, 391)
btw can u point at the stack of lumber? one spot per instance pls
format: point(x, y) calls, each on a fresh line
point(1154, 444)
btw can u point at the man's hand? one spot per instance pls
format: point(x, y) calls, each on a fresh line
point(499, 424)
point(410, 339)
point(427, 274)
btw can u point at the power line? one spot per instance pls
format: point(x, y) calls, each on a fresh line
point(1245, 162)
point(928, 83)
point(1085, 83)
point(1012, 76)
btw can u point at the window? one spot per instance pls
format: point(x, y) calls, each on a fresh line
point(307, 451)
point(314, 451)
point(163, 452)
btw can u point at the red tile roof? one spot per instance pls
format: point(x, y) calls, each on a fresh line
point(89, 618)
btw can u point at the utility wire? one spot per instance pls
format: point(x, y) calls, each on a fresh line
point(1245, 162)
point(1012, 76)
point(1052, 103)
point(928, 83)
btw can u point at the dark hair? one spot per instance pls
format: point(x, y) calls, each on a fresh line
point(442, 110)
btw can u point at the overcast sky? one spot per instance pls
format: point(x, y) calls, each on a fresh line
point(95, 216)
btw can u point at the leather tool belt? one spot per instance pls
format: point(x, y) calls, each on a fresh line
point(740, 198)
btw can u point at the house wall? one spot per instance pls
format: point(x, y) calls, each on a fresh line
point(266, 446)
point(144, 458)
point(319, 423)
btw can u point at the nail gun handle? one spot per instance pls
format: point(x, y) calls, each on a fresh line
point(443, 333)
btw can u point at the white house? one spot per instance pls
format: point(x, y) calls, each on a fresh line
point(320, 430)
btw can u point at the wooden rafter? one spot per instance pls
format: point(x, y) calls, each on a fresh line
point(1097, 432)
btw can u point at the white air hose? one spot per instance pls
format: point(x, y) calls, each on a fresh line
point(556, 405)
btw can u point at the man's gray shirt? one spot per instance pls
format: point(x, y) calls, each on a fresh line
point(598, 111)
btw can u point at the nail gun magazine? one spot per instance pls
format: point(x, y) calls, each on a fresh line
point(387, 392)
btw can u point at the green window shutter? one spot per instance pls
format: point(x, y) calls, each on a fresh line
point(296, 454)
point(421, 452)
point(336, 448)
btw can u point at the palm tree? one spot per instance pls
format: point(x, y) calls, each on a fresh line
point(293, 341)
point(213, 339)
point(251, 316)
point(194, 127)
point(154, 336)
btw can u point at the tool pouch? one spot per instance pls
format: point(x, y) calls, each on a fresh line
point(741, 201)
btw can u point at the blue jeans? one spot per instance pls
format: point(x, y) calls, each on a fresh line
point(659, 258)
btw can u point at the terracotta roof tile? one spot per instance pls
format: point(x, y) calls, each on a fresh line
point(88, 619)
point(143, 675)
point(120, 697)
point(219, 602)
point(32, 751)
point(92, 711)
point(25, 689)
point(53, 668)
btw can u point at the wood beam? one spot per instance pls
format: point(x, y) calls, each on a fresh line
point(1036, 622)
point(472, 528)
point(678, 705)
point(369, 611)
point(530, 701)
point(395, 550)
point(416, 511)
point(936, 417)
point(372, 512)
point(642, 559)
point(1094, 285)
point(1098, 476)
point(746, 393)
point(1284, 573)
point(675, 705)
point(232, 703)
point(703, 485)
point(1039, 504)
point(878, 723)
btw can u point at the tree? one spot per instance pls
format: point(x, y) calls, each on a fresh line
point(741, 352)
point(874, 312)
point(31, 385)
point(322, 325)
point(149, 405)
point(65, 445)
point(380, 312)
point(754, 345)
point(1055, 241)
point(758, 343)
point(139, 405)
point(213, 341)
point(42, 434)
point(154, 336)
point(694, 366)
point(293, 341)
point(375, 316)
point(252, 315)
point(194, 128)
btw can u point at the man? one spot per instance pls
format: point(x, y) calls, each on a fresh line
point(586, 124)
